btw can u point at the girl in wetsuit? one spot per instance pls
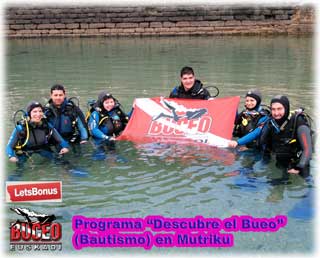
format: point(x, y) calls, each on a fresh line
point(249, 123)
point(32, 135)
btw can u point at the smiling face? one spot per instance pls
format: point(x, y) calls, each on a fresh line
point(250, 103)
point(109, 104)
point(277, 110)
point(188, 81)
point(36, 115)
point(57, 97)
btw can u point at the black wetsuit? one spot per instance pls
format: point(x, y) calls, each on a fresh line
point(68, 120)
point(252, 120)
point(38, 140)
point(292, 145)
point(196, 92)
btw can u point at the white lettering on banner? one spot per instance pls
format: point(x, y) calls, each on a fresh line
point(153, 109)
point(202, 125)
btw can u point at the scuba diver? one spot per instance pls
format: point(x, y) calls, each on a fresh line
point(190, 87)
point(38, 217)
point(249, 122)
point(107, 120)
point(65, 116)
point(32, 135)
point(189, 113)
point(288, 135)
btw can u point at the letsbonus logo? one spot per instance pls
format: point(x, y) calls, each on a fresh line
point(34, 191)
point(36, 232)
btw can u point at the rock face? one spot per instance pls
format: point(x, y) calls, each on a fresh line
point(34, 21)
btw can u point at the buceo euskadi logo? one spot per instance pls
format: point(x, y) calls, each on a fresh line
point(36, 232)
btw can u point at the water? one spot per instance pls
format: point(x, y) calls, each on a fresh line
point(161, 179)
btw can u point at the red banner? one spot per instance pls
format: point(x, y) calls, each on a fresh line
point(34, 191)
point(182, 120)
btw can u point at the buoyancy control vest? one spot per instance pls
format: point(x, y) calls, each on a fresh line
point(115, 120)
point(69, 113)
point(285, 143)
point(33, 136)
point(247, 121)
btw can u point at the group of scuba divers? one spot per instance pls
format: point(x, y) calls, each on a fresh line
point(61, 123)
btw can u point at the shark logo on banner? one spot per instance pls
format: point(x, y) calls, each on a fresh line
point(182, 120)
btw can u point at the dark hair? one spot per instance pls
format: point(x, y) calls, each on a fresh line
point(58, 87)
point(186, 70)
